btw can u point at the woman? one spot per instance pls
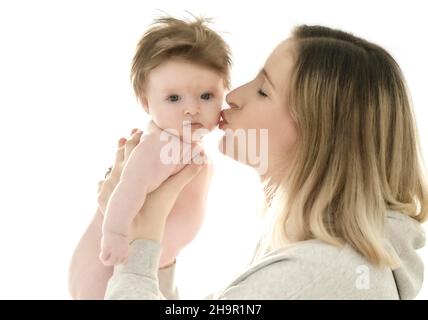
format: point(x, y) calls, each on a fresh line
point(345, 187)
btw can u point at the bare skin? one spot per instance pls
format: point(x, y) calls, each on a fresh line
point(88, 276)
point(258, 104)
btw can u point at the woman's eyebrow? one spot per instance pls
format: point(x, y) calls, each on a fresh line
point(268, 78)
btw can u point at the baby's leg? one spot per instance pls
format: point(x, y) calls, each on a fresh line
point(88, 277)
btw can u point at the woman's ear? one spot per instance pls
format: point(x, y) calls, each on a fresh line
point(144, 103)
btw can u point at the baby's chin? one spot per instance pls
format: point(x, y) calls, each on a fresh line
point(189, 133)
point(194, 135)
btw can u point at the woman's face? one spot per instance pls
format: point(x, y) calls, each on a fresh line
point(262, 104)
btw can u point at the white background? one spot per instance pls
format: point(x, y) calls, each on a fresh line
point(66, 98)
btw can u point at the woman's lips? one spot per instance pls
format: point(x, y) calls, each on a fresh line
point(222, 124)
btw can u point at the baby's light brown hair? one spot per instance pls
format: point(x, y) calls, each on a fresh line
point(193, 41)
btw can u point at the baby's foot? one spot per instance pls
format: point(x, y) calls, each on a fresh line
point(114, 249)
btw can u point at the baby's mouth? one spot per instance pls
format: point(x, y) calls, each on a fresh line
point(196, 125)
point(193, 124)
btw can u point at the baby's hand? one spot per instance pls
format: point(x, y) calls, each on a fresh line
point(114, 248)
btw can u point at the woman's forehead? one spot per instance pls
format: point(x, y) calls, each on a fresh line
point(280, 63)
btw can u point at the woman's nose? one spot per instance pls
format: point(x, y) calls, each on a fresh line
point(233, 105)
point(231, 100)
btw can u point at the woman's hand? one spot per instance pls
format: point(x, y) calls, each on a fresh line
point(106, 187)
point(150, 221)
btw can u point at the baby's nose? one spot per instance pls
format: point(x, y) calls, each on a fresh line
point(192, 109)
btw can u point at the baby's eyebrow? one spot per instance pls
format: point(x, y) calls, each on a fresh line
point(197, 88)
point(268, 78)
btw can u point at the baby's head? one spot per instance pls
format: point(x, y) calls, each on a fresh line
point(180, 73)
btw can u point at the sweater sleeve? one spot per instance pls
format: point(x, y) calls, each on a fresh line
point(138, 278)
point(167, 284)
point(303, 271)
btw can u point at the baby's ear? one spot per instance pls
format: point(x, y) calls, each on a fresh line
point(144, 103)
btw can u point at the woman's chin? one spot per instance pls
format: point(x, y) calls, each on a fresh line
point(229, 148)
point(237, 149)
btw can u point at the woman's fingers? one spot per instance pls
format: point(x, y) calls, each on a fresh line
point(132, 142)
point(159, 203)
point(120, 152)
point(178, 181)
point(100, 184)
point(121, 142)
point(126, 146)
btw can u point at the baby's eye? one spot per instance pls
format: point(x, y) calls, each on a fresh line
point(206, 96)
point(173, 98)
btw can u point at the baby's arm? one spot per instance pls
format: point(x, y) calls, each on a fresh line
point(143, 173)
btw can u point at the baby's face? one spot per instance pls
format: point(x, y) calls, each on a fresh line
point(178, 91)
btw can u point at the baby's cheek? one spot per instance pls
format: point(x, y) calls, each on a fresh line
point(212, 118)
point(169, 119)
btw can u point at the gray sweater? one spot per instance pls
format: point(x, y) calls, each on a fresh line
point(309, 269)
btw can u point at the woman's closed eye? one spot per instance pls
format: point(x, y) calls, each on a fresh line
point(262, 93)
point(173, 98)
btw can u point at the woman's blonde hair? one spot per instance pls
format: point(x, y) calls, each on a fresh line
point(191, 40)
point(357, 153)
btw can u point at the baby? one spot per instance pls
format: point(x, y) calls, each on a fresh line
point(180, 73)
